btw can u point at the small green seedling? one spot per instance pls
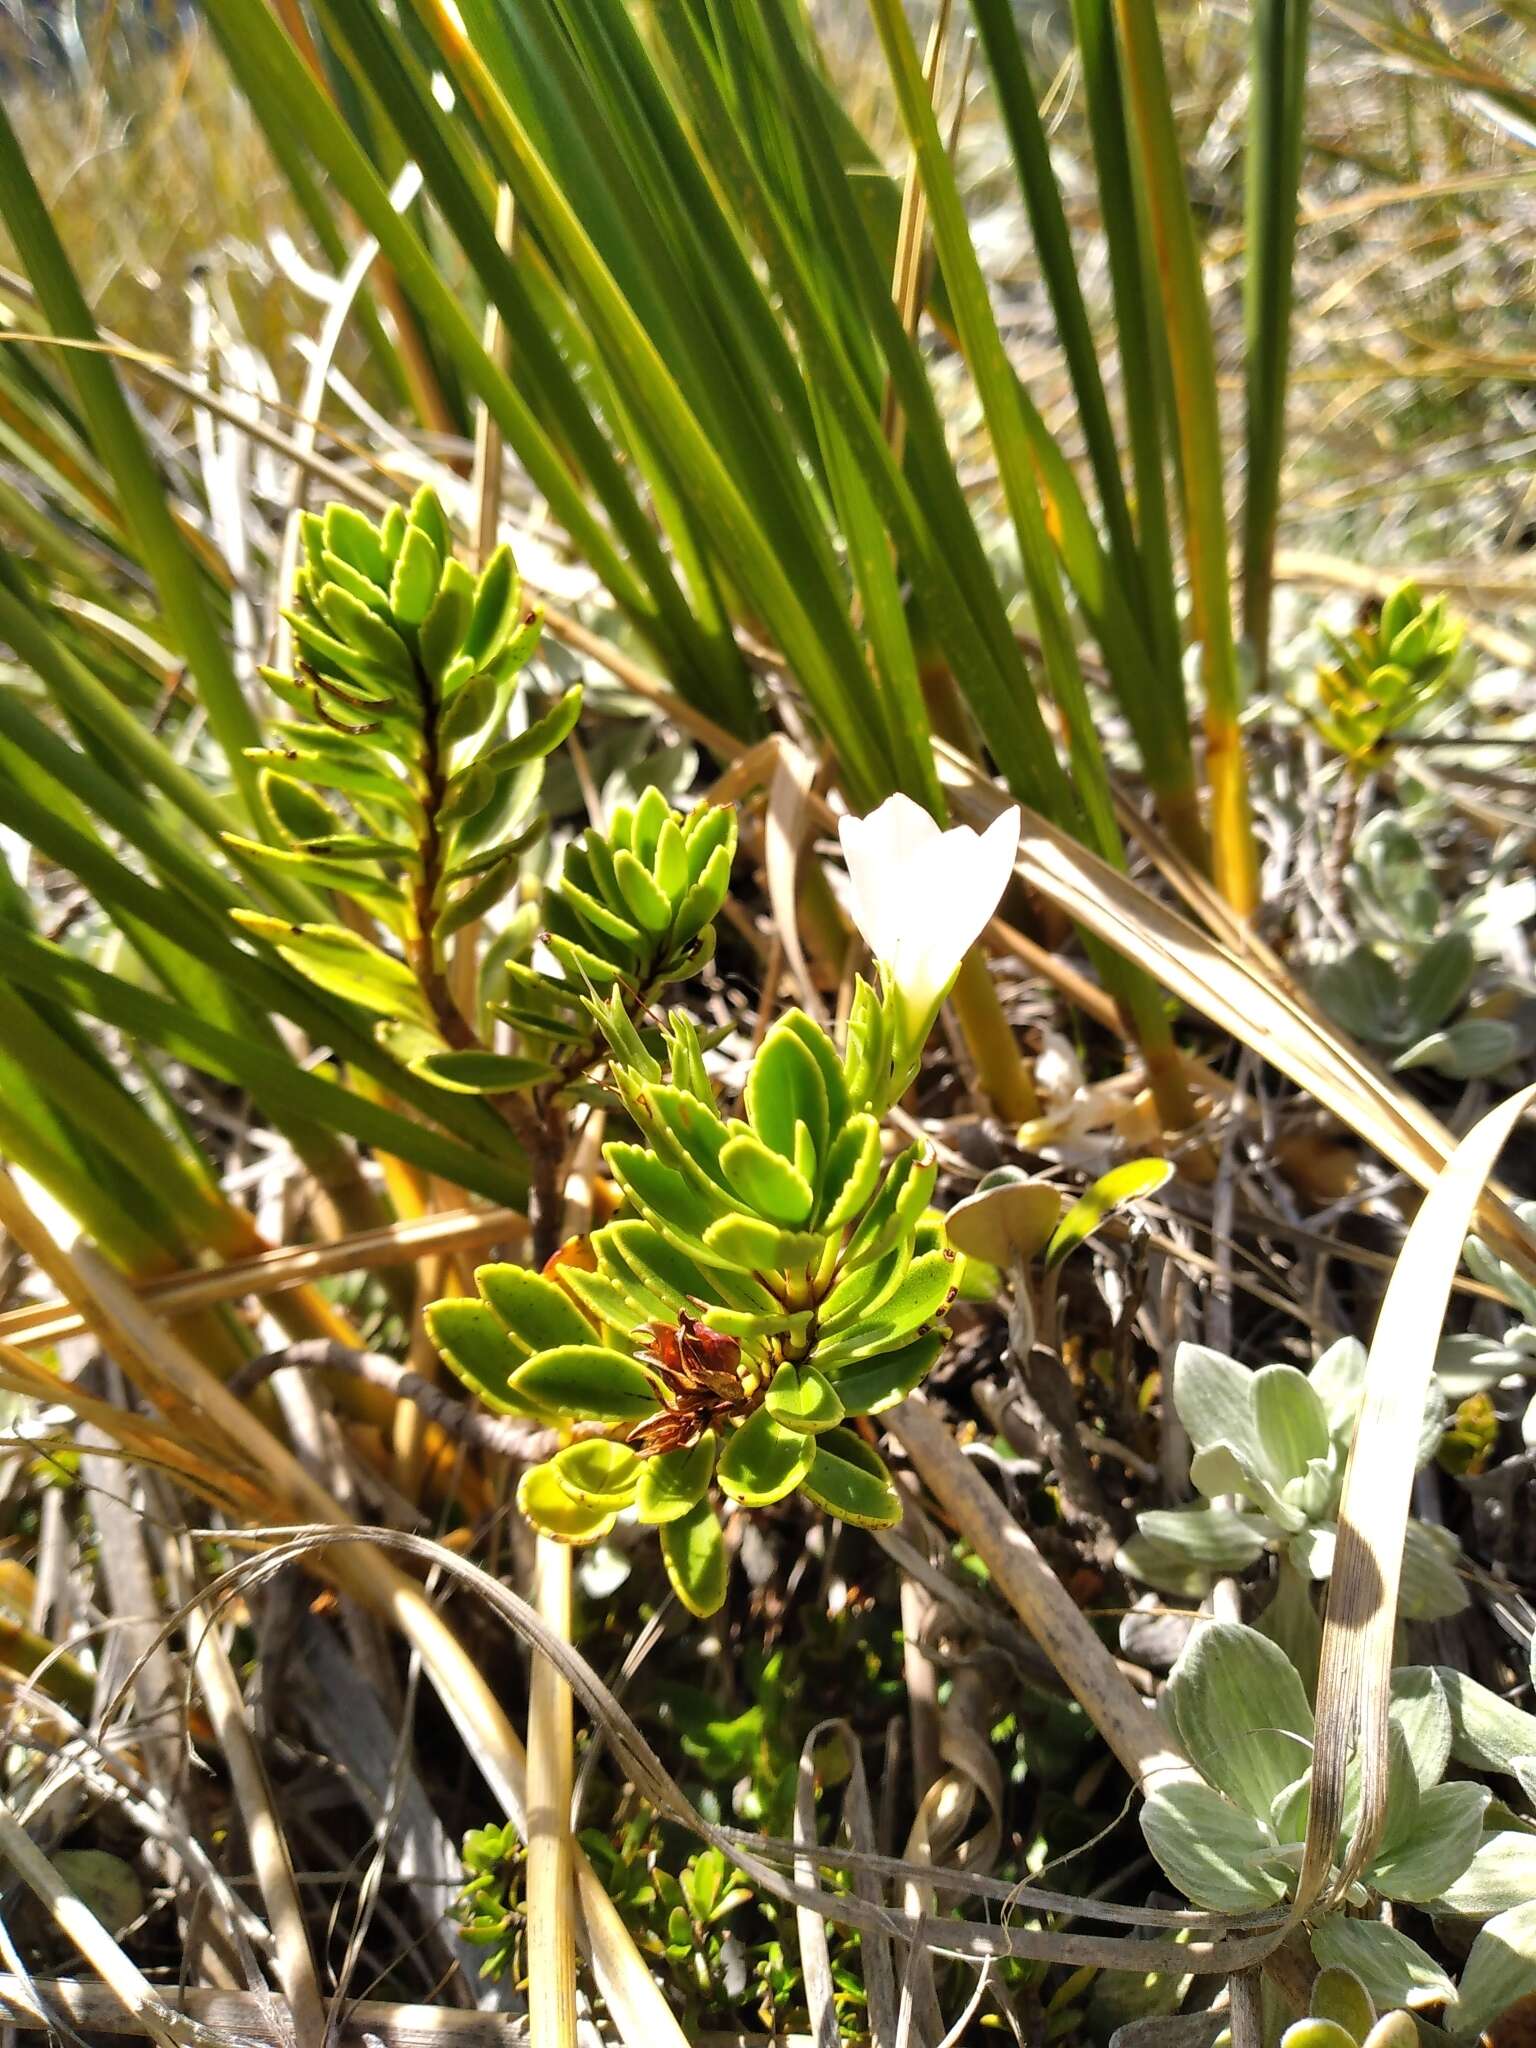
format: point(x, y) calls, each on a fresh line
point(1385, 675)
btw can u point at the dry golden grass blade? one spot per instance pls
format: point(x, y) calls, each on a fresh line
point(1130, 1727)
point(1241, 996)
point(285, 1267)
point(162, 1368)
point(1355, 1674)
point(551, 1769)
point(179, 1455)
point(263, 1831)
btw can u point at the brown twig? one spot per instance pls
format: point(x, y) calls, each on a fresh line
point(506, 1435)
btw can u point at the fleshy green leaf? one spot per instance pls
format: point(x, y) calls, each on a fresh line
point(1132, 1182)
point(537, 1312)
point(585, 1380)
point(785, 1088)
point(693, 1550)
point(801, 1398)
point(849, 1480)
point(598, 1471)
point(541, 737)
point(413, 584)
point(552, 1509)
point(645, 902)
point(478, 1350)
point(493, 608)
point(771, 1185)
point(762, 1461)
point(868, 1386)
point(674, 1483)
point(759, 1247)
point(343, 964)
point(1338, 1995)
point(852, 1171)
point(1319, 2033)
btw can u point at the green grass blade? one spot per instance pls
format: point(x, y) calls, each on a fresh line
point(140, 489)
point(1120, 218)
point(1187, 324)
point(37, 964)
point(1276, 118)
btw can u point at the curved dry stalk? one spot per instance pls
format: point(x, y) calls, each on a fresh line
point(1130, 1727)
point(551, 1769)
point(167, 1374)
point(263, 1831)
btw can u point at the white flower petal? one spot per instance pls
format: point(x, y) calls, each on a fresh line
point(921, 897)
point(882, 851)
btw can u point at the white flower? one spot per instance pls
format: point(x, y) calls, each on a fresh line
point(921, 896)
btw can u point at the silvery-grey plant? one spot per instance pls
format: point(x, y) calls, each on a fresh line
point(1468, 1363)
point(1232, 1839)
point(1275, 1440)
point(1401, 986)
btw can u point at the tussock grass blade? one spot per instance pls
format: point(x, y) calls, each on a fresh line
point(706, 662)
point(1142, 646)
point(1276, 118)
point(1000, 395)
point(1058, 265)
point(1234, 991)
point(37, 964)
point(1192, 355)
point(1133, 289)
point(783, 570)
point(1354, 1676)
point(140, 490)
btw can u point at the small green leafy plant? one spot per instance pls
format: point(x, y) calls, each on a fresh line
point(400, 786)
point(1277, 1439)
point(489, 1906)
point(1385, 675)
point(774, 1276)
point(632, 910)
point(775, 1279)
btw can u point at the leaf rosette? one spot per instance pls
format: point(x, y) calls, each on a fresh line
point(774, 1278)
point(1277, 1439)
